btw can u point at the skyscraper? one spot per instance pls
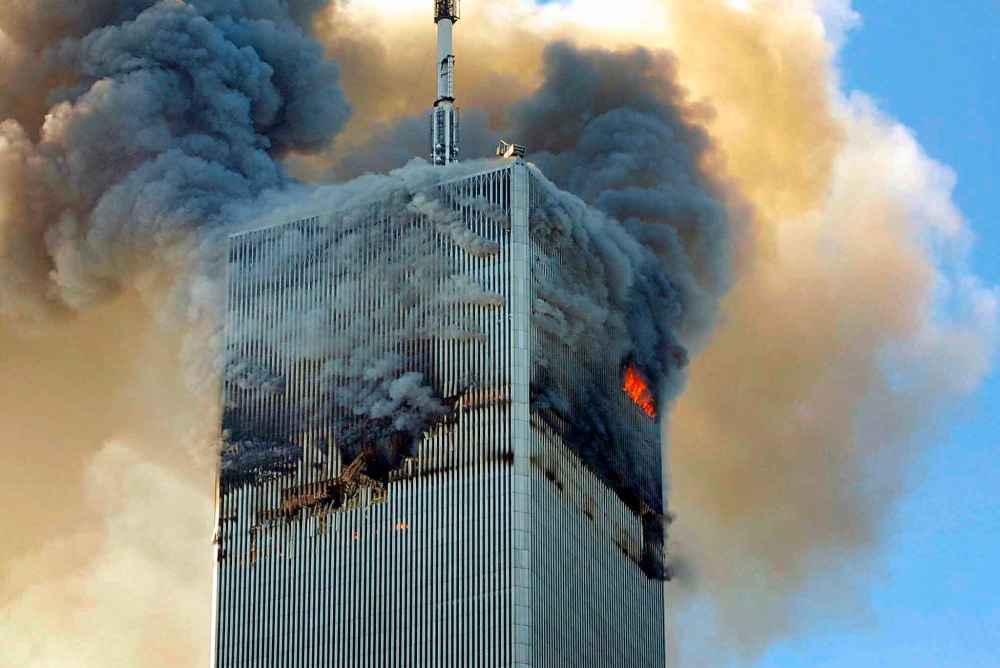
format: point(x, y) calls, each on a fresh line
point(399, 486)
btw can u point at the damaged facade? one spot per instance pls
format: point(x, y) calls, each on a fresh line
point(431, 454)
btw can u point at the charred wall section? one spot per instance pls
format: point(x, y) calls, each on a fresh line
point(351, 334)
point(428, 449)
point(339, 324)
point(602, 354)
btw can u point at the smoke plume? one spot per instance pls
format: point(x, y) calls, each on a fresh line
point(852, 323)
point(615, 129)
point(376, 386)
point(133, 133)
point(401, 247)
point(164, 112)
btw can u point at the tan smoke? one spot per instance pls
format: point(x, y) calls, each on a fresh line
point(107, 475)
point(835, 354)
point(383, 60)
point(766, 74)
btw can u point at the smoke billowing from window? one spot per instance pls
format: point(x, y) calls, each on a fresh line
point(601, 299)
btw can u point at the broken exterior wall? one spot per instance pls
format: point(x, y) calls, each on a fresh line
point(417, 561)
point(435, 552)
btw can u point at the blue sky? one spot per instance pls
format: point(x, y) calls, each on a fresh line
point(935, 595)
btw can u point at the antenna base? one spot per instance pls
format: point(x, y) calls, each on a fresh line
point(446, 9)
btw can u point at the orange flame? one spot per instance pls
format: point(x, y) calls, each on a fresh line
point(637, 389)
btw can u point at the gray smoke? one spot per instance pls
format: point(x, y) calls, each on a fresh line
point(166, 125)
point(395, 144)
point(159, 115)
point(602, 300)
point(395, 249)
point(616, 129)
point(632, 272)
point(600, 295)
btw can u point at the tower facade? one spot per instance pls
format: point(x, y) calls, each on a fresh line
point(487, 541)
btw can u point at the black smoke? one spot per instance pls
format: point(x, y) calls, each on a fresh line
point(617, 130)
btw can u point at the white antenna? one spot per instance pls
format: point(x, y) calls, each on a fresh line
point(444, 117)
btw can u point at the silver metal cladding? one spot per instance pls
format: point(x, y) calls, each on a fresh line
point(491, 542)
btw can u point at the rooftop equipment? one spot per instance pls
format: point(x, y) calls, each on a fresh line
point(507, 150)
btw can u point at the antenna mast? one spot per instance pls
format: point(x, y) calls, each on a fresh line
point(444, 117)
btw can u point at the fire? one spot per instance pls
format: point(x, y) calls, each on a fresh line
point(637, 389)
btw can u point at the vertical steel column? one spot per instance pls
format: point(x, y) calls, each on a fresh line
point(521, 421)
